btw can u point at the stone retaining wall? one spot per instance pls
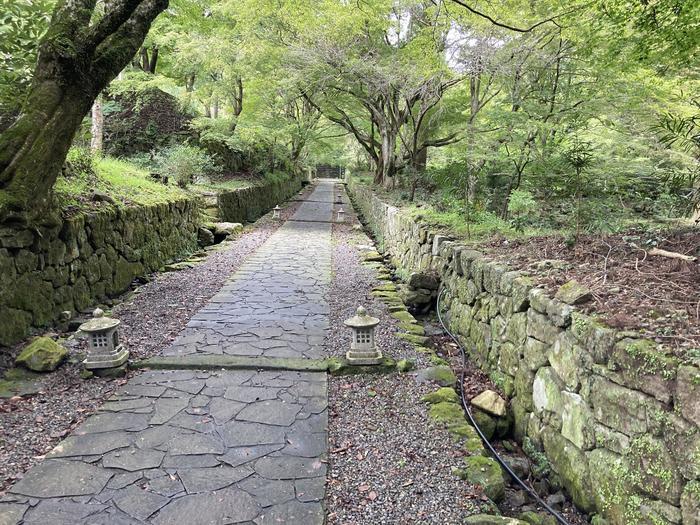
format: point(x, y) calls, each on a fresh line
point(616, 417)
point(85, 259)
point(247, 204)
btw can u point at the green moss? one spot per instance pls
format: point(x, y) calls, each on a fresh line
point(404, 365)
point(444, 394)
point(540, 464)
point(404, 317)
point(412, 328)
point(43, 354)
point(648, 358)
point(121, 181)
point(486, 473)
point(415, 339)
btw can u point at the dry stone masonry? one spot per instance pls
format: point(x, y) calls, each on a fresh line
point(80, 261)
point(616, 417)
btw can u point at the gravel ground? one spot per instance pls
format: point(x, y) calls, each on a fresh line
point(151, 318)
point(388, 462)
point(351, 287)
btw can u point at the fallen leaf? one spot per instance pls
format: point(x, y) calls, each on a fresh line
point(372, 496)
point(363, 488)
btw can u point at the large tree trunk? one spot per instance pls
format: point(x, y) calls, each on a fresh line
point(97, 129)
point(76, 61)
point(388, 165)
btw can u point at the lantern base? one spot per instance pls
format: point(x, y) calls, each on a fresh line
point(364, 358)
point(108, 360)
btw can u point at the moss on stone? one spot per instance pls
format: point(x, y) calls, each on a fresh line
point(43, 354)
point(418, 340)
point(404, 365)
point(385, 287)
point(444, 394)
point(404, 317)
point(485, 472)
point(412, 328)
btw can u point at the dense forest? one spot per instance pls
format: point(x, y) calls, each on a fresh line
point(504, 115)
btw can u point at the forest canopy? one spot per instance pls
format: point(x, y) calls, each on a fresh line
point(506, 111)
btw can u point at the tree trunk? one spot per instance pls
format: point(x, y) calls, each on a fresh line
point(388, 165)
point(420, 161)
point(189, 83)
point(77, 59)
point(153, 62)
point(215, 107)
point(35, 147)
point(97, 129)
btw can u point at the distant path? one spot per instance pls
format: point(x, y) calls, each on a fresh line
point(211, 447)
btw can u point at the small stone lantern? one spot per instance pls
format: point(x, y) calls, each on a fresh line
point(276, 212)
point(104, 349)
point(363, 350)
point(341, 215)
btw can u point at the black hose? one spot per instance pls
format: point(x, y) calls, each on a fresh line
point(468, 412)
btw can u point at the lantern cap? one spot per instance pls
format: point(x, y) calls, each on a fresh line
point(98, 323)
point(361, 319)
point(277, 207)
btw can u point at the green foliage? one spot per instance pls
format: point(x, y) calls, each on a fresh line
point(185, 163)
point(522, 207)
point(86, 175)
point(22, 25)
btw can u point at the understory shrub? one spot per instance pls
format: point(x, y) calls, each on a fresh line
point(185, 164)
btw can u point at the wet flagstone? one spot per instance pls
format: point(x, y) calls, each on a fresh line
point(208, 446)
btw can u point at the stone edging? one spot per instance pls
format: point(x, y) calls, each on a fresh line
point(617, 419)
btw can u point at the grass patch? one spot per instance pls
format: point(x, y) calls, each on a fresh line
point(88, 181)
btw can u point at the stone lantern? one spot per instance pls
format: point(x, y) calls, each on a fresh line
point(341, 215)
point(276, 212)
point(104, 349)
point(363, 350)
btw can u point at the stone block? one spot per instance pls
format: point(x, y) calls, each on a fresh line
point(687, 394)
point(43, 354)
point(535, 353)
point(516, 328)
point(577, 421)
point(622, 409)
point(569, 360)
point(493, 273)
point(559, 313)
point(540, 327)
point(612, 489)
point(644, 366)
point(598, 339)
point(610, 439)
point(573, 293)
point(523, 385)
point(521, 293)
point(14, 326)
point(539, 300)
point(547, 391)
point(690, 503)
point(509, 358)
point(490, 402)
point(656, 471)
point(486, 473)
point(571, 464)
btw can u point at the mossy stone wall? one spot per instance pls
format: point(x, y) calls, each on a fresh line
point(247, 204)
point(86, 259)
point(616, 417)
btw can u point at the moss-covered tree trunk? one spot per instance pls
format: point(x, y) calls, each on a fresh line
point(77, 59)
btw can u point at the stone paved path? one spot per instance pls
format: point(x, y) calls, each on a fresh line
point(211, 447)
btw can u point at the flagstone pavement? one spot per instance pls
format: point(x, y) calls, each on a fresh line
point(211, 446)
